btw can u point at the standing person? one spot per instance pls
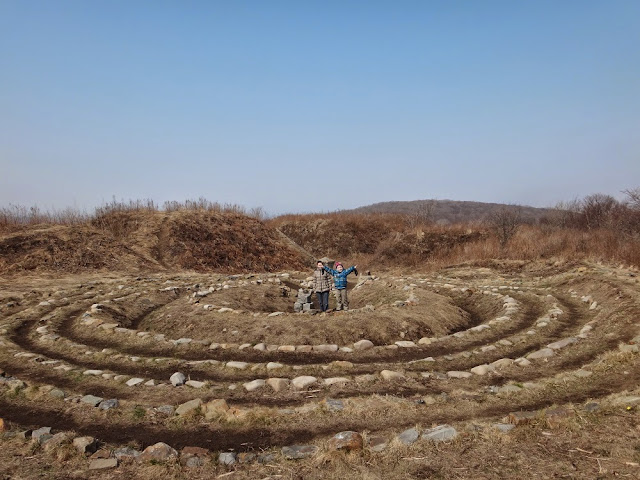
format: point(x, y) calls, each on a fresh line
point(340, 280)
point(322, 285)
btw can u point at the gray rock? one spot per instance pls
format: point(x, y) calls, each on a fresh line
point(109, 404)
point(378, 444)
point(126, 453)
point(302, 382)
point(363, 345)
point(134, 382)
point(57, 393)
point(177, 379)
point(297, 452)
point(254, 385)
point(166, 409)
point(334, 404)
point(37, 434)
point(103, 463)
point(91, 400)
point(542, 353)
point(440, 433)
point(409, 436)
point(227, 458)
point(194, 462)
point(189, 406)
point(562, 343)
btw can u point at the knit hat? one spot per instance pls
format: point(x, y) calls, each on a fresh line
point(338, 264)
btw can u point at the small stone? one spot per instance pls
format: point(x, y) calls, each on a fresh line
point(227, 458)
point(425, 341)
point(261, 347)
point(237, 365)
point(274, 365)
point(542, 353)
point(91, 400)
point(189, 406)
point(193, 462)
point(166, 410)
point(502, 363)
point(254, 385)
point(440, 433)
point(391, 375)
point(363, 345)
point(57, 393)
point(481, 370)
point(215, 408)
point(126, 453)
point(177, 379)
point(405, 344)
point(195, 384)
point(109, 404)
point(302, 382)
point(409, 436)
point(36, 434)
point(333, 404)
point(278, 384)
point(103, 463)
point(562, 343)
point(377, 444)
point(159, 452)
point(134, 382)
point(296, 452)
point(325, 348)
point(348, 441)
point(85, 445)
point(95, 373)
point(457, 374)
point(287, 348)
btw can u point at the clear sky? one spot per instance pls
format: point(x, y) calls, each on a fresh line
point(300, 106)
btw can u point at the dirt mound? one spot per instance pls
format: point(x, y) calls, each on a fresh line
point(143, 241)
point(385, 237)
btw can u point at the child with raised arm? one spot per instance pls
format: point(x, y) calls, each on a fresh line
point(340, 283)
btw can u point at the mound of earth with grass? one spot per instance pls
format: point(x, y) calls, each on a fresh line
point(384, 238)
point(150, 241)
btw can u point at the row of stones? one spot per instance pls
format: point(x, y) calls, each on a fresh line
point(510, 306)
point(255, 384)
point(349, 441)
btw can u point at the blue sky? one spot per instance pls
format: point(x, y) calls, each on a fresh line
point(300, 106)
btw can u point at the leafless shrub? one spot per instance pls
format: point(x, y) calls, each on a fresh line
point(505, 223)
point(422, 214)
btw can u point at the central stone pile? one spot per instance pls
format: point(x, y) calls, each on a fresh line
point(303, 301)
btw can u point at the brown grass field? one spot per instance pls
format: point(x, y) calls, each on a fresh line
point(528, 350)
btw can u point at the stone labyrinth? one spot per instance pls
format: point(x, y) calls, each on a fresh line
point(214, 368)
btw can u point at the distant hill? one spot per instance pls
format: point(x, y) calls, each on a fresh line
point(450, 211)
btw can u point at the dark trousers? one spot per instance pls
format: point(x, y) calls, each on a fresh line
point(323, 300)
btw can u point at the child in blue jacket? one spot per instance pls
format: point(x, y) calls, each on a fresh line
point(340, 282)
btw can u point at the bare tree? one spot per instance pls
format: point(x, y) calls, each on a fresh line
point(505, 223)
point(422, 214)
